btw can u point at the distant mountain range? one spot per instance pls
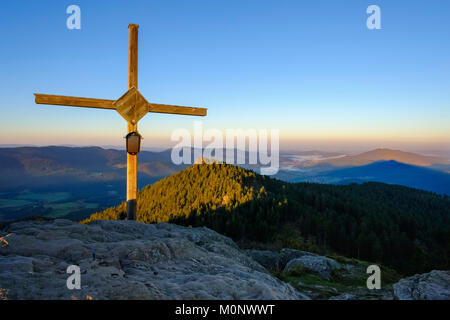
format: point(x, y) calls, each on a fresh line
point(324, 159)
point(44, 166)
point(383, 155)
point(382, 165)
point(34, 167)
point(70, 182)
point(391, 172)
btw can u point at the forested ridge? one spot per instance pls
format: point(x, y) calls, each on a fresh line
point(404, 228)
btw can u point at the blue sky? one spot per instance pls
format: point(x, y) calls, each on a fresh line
point(309, 68)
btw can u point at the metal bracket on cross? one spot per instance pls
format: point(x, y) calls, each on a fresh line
point(132, 106)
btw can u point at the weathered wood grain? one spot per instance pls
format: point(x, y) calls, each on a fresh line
point(109, 104)
point(132, 123)
point(133, 55)
point(73, 101)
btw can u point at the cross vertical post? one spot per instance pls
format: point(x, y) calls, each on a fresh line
point(132, 127)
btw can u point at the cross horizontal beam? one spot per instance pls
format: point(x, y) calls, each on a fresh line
point(73, 101)
point(108, 104)
point(165, 108)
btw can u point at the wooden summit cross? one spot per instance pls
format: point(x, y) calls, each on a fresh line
point(132, 106)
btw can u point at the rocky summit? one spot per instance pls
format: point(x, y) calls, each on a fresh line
point(129, 260)
point(132, 260)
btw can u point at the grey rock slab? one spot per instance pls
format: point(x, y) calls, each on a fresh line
point(130, 260)
point(434, 285)
point(276, 260)
point(323, 266)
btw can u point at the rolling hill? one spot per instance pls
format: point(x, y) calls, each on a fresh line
point(43, 166)
point(404, 228)
point(70, 182)
point(391, 172)
point(382, 155)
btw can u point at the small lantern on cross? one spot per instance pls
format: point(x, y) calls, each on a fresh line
point(133, 143)
point(132, 106)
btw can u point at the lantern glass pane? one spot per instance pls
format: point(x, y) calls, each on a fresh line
point(133, 143)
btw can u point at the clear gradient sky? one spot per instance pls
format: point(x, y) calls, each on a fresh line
point(309, 68)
